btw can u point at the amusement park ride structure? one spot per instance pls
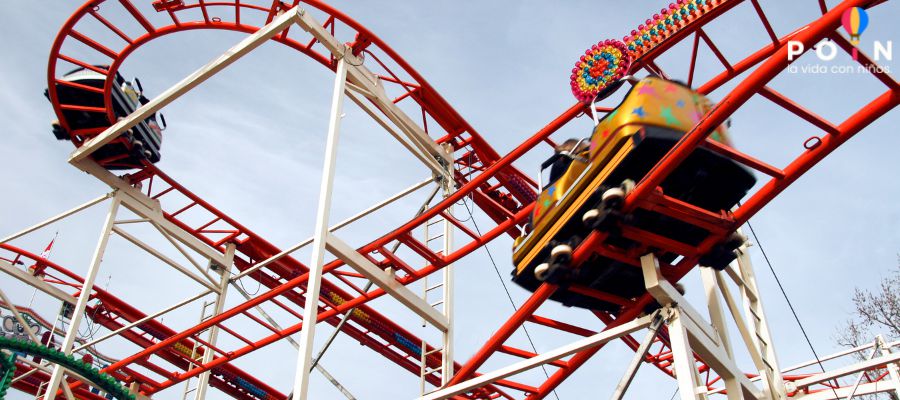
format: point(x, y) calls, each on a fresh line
point(680, 341)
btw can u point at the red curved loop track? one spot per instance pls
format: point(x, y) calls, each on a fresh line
point(501, 191)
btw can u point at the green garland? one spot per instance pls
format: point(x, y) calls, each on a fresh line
point(7, 370)
point(101, 380)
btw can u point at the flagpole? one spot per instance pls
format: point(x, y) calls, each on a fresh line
point(45, 255)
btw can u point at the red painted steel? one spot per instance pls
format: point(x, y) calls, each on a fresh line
point(114, 313)
point(497, 188)
point(771, 60)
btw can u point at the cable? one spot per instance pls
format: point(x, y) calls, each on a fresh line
point(508, 295)
point(258, 283)
point(462, 201)
point(92, 328)
point(89, 325)
point(673, 394)
point(791, 306)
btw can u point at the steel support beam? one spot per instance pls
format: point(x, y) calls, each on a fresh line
point(447, 360)
point(85, 296)
point(191, 81)
point(145, 207)
point(639, 354)
point(386, 281)
point(165, 259)
point(317, 260)
point(698, 337)
point(361, 77)
point(762, 337)
point(547, 357)
point(844, 371)
point(333, 228)
point(34, 282)
point(58, 217)
point(689, 383)
point(276, 325)
point(716, 313)
point(219, 306)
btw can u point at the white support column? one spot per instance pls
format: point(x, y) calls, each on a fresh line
point(716, 314)
point(84, 297)
point(683, 357)
point(370, 86)
point(447, 353)
point(225, 271)
point(762, 337)
point(739, 321)
point(314, 282)
point(68, 393)
point(690, 333)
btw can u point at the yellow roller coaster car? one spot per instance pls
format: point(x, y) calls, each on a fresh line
point(585, 185)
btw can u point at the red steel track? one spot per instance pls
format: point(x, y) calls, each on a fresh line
point(497, 188)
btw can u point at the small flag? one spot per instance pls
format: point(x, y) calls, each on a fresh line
point(46, 253)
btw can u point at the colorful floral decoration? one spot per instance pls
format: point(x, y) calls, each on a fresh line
point(609, 60)
point(663, 25)
point(602, 64)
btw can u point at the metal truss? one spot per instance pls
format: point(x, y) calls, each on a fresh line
point(686, 346)
point(759, 69)
point(875, 373)
point(680, 342)
point(360, 81)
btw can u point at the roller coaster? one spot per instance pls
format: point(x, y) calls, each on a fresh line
point(347, 285)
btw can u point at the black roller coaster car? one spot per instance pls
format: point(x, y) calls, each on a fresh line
point(81, 109)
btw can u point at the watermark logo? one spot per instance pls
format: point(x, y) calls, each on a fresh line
point(855, 20)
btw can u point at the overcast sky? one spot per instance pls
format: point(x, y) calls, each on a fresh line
point(250, 141)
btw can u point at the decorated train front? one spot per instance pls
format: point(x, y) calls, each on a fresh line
point(626, 143)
